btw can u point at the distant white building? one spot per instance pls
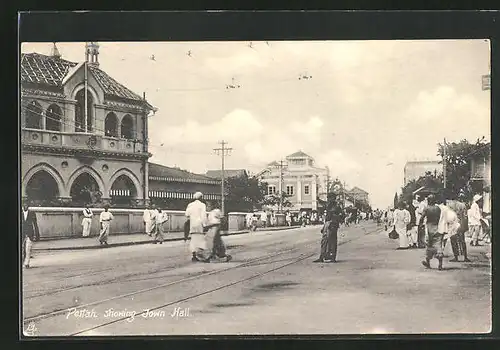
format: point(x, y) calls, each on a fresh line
point(415, 169)
point(302, 181)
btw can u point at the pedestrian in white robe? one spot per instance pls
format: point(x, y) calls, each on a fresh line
point(146, 217)
point(105, 220)
point(196, 212)
point(87, 221)
point(401, 220)
point(161, 218)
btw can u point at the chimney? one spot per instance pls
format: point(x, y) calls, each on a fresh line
point(55, 52)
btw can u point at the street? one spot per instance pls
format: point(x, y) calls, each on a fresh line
point(270, 287)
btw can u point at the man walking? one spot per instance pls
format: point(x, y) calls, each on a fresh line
point(475, 220)
point(30, 233)
point(105, 220)
point(213, 236)
point(420, 206)
point(160, 218)
point(196, 212)
point(434, 239)
point(329, 237)
point(457, 240)
point(148, 220)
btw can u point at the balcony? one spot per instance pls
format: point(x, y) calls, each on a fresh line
point(80, 141)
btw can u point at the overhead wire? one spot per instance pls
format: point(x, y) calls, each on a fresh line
point(74, 124)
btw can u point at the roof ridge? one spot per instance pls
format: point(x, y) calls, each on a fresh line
point(179, 169)
point(115, 81)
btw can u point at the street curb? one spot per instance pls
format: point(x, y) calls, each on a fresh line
point(150, 241)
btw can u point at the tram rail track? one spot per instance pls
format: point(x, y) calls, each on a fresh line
point(121, 278)
point(298, 259)
point(248, 263)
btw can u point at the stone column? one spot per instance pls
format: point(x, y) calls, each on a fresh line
point(68, 121)
point(314, 194)
point(299, 191)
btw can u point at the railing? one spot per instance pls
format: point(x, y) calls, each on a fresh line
point(79, 140)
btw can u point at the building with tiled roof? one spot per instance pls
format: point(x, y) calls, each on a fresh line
point(305, 184)
point(84, 134)
point(173, 188)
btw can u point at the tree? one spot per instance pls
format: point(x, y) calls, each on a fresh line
point(274, 200)
point(458, 164)
point(244, 193)
point(429, 181)
point(396, 200)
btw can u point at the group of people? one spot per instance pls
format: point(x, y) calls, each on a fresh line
point(154, 219)
point(203, 225)
point(30, 231)
point(433, 221)
point(105, 219)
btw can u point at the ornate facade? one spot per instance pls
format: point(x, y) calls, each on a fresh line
point(83, 134)
point(300, 179)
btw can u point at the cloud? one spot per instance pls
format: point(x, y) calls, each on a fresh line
point(236, 126)
point(450, 113)
point(340, 163)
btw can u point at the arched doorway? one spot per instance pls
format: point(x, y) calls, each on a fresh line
point(85, 190)
point(53, 118)
point(34, 116)
point(123, 191)
point(111, 125)
point(42, 189)
point(80, 111)
point(127, 127)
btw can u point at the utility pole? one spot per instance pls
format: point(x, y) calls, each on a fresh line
point(222, 151)
point(280, 208)
point(444, 163)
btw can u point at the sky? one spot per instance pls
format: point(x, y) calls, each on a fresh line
point(369, 107)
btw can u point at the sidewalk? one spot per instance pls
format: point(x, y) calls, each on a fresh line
point(126, 239)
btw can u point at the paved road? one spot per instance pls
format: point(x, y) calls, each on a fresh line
point(270, 287)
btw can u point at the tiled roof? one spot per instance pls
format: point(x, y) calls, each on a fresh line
point(299, 154)
point(217, 174)
point(49, 70)
point(175, 174)
point(274, 163)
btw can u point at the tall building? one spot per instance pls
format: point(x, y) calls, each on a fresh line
point(83, 134)
point(299, 178)
point(415, 169)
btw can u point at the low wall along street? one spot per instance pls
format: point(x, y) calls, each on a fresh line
point(58, 223)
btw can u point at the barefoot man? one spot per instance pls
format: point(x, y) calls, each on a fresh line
point(434, 239)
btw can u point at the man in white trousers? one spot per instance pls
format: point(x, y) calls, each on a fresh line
point(196, 212)
point(30, 232)
point(87, 220)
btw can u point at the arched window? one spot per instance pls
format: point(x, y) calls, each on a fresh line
point(53, 118)
point(42, 188)
point(123, 191)
point(111, 125)
point(80, 111)
point(85, 190)
point(127, 127)
point(34, 115)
